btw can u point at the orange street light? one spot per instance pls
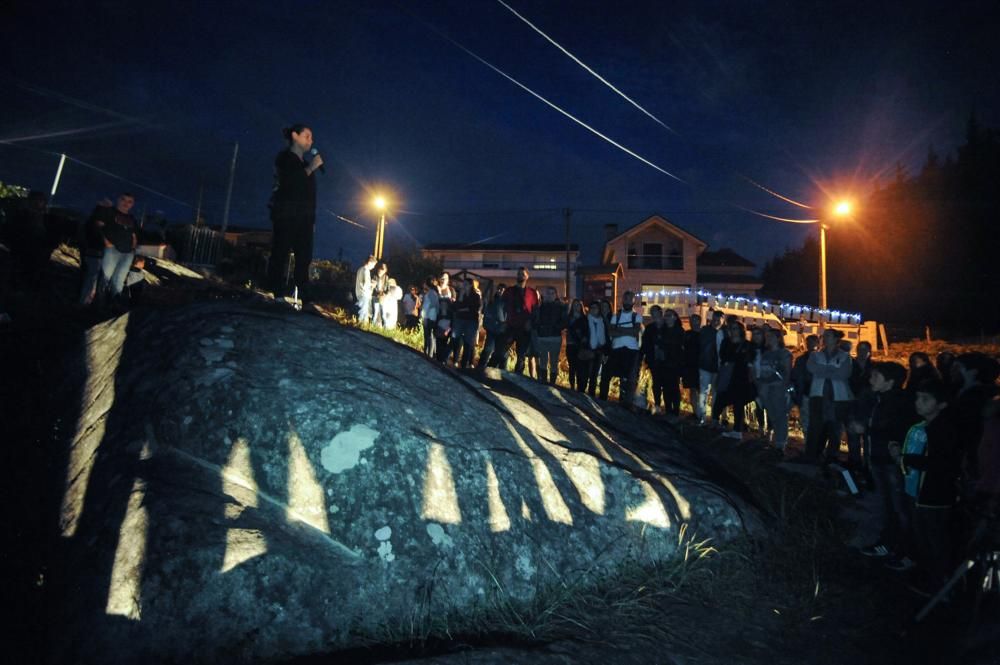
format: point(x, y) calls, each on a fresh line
point(842, 209)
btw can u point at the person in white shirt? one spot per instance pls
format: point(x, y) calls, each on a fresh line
point(592, 349)
point(363, 290)
point(625, 331)
point(829, 397)
point(389, 304)
point(411, 309)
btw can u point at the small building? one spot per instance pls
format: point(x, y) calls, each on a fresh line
point(499, 263)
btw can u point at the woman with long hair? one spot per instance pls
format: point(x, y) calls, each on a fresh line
point(293, 210)
point(576, 337)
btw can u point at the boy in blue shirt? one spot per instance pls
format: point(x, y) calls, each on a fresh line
point(931, 464)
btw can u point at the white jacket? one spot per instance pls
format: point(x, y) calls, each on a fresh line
point(837, 369)
point(429, 306)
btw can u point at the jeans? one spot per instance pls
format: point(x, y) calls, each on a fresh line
point(364, 310)
point(548, 358)
point(623, 363)
point(430, 343)
point(893, 516)
point(775, 400)
point(91, 272)
point(114, 269)
point(706, 383)
point(824, 434)
point(520, 338)
point(587, 371)
point(666, 387)
point(490, 355)
point(464, 333)
point(377, 315)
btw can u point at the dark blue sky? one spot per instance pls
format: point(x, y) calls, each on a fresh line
point(800, 96)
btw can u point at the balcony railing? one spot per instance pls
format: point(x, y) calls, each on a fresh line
point(655, 262)
point(546, 266)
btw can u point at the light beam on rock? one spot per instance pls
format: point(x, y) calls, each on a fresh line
point(238, 482)
point(499, 521)
point(650, 511)
point(305, 495)
point(552, 501)
point(125, 590)
point(99, 394)
point(440, 502)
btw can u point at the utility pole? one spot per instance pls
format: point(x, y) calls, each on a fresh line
point(229, 190)
point(197, 212)
point(55, 183)
point(822, 265)
point(566, 215)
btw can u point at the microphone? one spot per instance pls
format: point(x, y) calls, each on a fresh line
point(322, 167)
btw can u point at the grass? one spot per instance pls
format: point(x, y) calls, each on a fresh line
point(608, 602)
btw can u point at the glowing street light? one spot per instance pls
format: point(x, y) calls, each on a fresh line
point(841, 210)
point(380, 204)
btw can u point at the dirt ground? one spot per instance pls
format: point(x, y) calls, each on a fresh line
point(802, 594)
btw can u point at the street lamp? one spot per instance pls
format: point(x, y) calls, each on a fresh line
point(380, 204)
point(841, 210)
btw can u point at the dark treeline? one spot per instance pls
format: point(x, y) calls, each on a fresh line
point(923, 250)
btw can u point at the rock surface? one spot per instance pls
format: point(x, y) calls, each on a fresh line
point(246, 483)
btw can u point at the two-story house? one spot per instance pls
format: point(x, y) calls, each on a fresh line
point(498, 263)
point(656, 255)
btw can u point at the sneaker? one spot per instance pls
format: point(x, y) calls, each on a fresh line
point(877, 551)
point(901, 565)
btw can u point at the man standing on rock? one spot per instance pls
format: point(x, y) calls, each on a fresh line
point(118, 229)
point(520, 302)
point(363, 290)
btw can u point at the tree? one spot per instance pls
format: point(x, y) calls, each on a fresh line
point(408, 266)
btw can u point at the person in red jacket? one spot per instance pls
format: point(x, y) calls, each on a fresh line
point(520, 302)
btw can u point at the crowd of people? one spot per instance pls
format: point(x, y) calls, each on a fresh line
point(924, 439)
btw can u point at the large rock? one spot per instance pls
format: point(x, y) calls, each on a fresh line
point(248, 482)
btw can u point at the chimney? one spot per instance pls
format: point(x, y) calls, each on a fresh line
point(610, 231)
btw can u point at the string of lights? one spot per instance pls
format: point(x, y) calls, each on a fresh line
point(783, 310)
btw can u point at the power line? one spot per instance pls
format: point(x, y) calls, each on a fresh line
point(591, 71)
point(557, 108)
point(633, 102)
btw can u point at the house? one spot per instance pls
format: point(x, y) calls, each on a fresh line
point(658, 255)
point(498, 263)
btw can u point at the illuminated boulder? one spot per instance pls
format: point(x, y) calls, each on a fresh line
point(244, 482)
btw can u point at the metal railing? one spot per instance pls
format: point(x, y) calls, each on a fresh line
point(201, 246)
point(655, 262)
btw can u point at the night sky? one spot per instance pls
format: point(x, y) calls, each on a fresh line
point(810, 99)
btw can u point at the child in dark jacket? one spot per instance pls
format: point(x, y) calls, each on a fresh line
point(891, 416)
point(931, 464)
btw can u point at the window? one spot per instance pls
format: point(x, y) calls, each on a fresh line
point(657, 256)
point(492, 260)
point(545, 262)
point(652, 256)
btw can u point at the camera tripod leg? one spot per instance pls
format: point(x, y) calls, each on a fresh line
point(959, 573)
